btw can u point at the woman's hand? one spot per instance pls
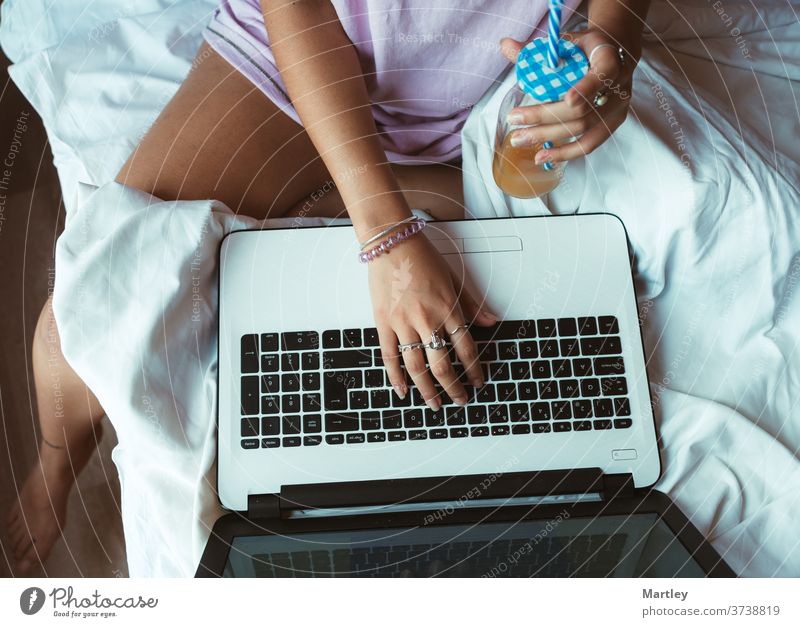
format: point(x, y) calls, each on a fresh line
point(414, 293)
point(577, 115)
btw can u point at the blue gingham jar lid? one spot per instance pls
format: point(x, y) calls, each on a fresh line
point(535, 76)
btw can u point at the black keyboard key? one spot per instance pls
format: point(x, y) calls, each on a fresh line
point(433, 418)
point(400, 402)
point(582, 367)
point(309, 361)
point(377, 357)
point(520, 412)
point(290, 403)
point(456, 416)
point(608, 365)
point(249, 350)
point(438, 434)
point(289, 383)
point(567, 327)
point(271, 425)
point(270, 442)
point(622, 423)
point(379, 399)
point(521, 329)
point(622, 407)
point(412, 418)
point(527, 391)
point(499, 372)
point(608, 325)
point(501, 430)
point(507, 351)
point(376, 437)
point(590, 387)
point(548, 348)
point(312, 440)
point(342, 421)
point(335, 392)
point(291, 442)
point(486, 394)
point(587, 326)
point(603, 407)
point(331, 339)
point(300, 341)
point(250, 427)
point(520, 429)
point(310, 381)
point(269, 342)
point(312, 423)
point(397, 436)
point(540, 411)
point(355, 438)
point(606, 345)
point(392, 419)
point(547, 327)
point(562, 410)
point(290, 362)
point(249, 444)
point(270, 363)
point(352, 358)
point(484, 334)
point(520, 370)
point(487, 351)
point(569, 388)
point(270, 405)
point(270, 383)
point(528, 349)
point(614, 386)
point(540, 369)
point(459, 432)
point(311, 402)
point(540, 427)
point(352, 337)
point(562, 368)
point(373, 378)
point(602, 424)
point(548, 389)
point(371, 337)
point(418, 434)
point(291, 425)
point(359, 399)
point(506, 392)
point(498, 413)
point(560, 427)
point(250, 395)
point(479, 432)
point(370, 420)
point(477, 415)
point(582, 409)
point(582, 425)
point(570, 347)
point(416, 397)
point(336, 438)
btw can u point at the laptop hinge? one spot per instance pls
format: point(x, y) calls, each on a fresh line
point(617, 486)
point(263, 506)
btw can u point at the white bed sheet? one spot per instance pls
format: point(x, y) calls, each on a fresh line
point(716, 244)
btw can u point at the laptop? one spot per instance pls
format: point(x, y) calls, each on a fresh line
point(546, 472)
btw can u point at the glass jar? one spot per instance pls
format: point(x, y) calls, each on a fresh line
point(513, 167)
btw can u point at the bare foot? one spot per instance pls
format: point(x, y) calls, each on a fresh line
point(37, 518)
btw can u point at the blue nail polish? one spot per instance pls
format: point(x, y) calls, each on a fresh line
point(548, 165)
point(547, 145)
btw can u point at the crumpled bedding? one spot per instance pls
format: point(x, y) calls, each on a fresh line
point(710, 213)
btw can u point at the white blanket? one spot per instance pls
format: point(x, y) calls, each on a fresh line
point(714, 235)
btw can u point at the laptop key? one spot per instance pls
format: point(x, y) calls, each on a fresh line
point(456, 416)
point(397, 436)
point(527, 391)
point(270, 442)
point(270, 405)
point(487, 351)
point(602, 424)
point(562, 369)
point(312, 423)
point(608, 325)
point(270, 383)
point(507, 351)
point(290, 403)
point(289, 383)
point(587, 325)
point(291, 425)
point(312, 440)
point(355, 438)
point(506, 392)
point(499, 372)
point(400, 402)
point(606, 345)
point(590, 387)
point(528, 349)
point(342, 359)
point(371, 337)
point(392, 419)
point(309, 361)
point(269, 342)
point(548, 348)
point(376, 437)
point(335, 392)
point(582, 409)
point(570, 347)
point(486, 394)
point(622, 407)
point(608, 365)
point(412, 418)
point(479, 432)
point(250, 427)
point(520, 429)
point(331, 339)
point(310, 381)
point(561, 410)
point(300, 340)
point(291, 442)
point(336, 438)
point(546, 327)
point(477, 415)
point(520, 370)
point(622, 423)
point(249, 395)
point(548, 389)
point(370, 420)
point(271, 425)
point(438, 434)
point(500, 430)
point(418, 434)
point(540, 411)
point(519, 412)
point(582, 367)
point(359, 400)
point(614, 386)
point(352, 337)
point(582, 425)
point(560, 427)
point(540, 369)
point(342, 421)
point(290, 362)
point(379, 399)
point(373, 378)
point(567, 327)
point(459, 432)
point(603, 407)
point(434, 418)
point(540, 427)
point(249, 353)
point(569, 388)
point(498, 413)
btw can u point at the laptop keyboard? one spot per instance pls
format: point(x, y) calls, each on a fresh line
point(306, 388)
point(581, 556)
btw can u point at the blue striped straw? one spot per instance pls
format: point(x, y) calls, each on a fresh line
point(554, 33)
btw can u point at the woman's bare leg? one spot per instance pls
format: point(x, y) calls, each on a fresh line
point(69, 418)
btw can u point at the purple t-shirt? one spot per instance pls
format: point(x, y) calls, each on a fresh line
point(425, 63)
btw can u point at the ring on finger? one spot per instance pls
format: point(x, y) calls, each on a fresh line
point(410, 346)
point(458, 329)
point(600, 98)
point(437, 341)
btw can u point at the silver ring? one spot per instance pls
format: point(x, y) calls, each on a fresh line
point(600, 98)
point(410, 346)
point(437, 341)
point(458, 329)
point(620, 52)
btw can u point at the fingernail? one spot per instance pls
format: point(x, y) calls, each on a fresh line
point(548, 144)
point(461, 400)
point(541, 157)
point(488, 314)
point(400, 390)
point(434, 404)
point(515, 118)
point(478, 383)
point(548, 165)
point(519, 140)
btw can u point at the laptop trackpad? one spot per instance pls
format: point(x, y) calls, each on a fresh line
point(453, 246)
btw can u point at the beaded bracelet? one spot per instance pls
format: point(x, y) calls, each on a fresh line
point(393, 240)
point(387, 230)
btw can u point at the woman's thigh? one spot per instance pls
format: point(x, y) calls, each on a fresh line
point(220, 137)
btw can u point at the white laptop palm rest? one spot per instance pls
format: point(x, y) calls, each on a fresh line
point(303, 397)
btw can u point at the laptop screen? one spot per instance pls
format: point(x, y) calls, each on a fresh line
point(606, 546)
